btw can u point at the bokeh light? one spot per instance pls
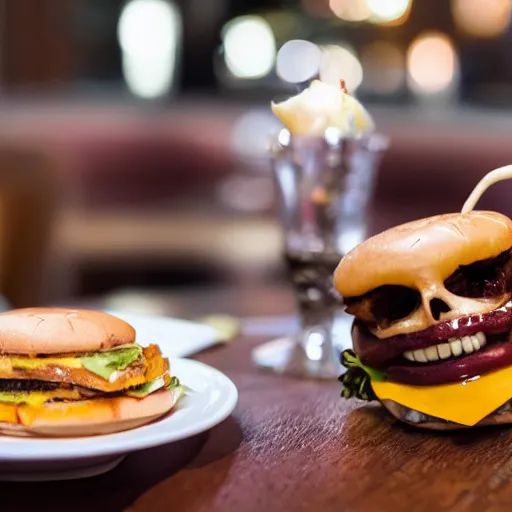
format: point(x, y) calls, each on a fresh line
point(482, 18)
point(249, 47)
point(350, 10)
point(389, 11)
point(298, 61)
point(384, 67)
point(149, 34)
point(341, 62)
point(250, 133)
point(431, 63)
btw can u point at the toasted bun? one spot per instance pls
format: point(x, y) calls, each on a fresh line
point(90, 417)
point(418, 252)
point(32, 331)
point(400, 412)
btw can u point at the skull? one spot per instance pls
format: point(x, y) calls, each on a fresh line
point(428, 272)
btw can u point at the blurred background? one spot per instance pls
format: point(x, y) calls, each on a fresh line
point(133, 134)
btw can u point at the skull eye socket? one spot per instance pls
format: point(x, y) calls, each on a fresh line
point(482, 279)
point(384, 305)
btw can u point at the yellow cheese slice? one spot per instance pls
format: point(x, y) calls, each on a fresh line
point(29, 363)
point(465, 402)
point(7, 363)
point(37, 398)
point(9, 401)
point(8, 413)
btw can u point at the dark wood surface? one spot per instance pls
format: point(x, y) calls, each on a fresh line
point(293, 445)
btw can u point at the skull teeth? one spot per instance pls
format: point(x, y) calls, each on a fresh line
point(454, 347)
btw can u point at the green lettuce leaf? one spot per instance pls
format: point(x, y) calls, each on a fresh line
point(146, 389)
point(174, 386)
point(357, 379)
point(106, 363)
point(175, 382)
point(350, 360)
point(150, 387)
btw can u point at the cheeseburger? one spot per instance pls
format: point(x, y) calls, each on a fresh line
point(432, 301)
point(68, 372)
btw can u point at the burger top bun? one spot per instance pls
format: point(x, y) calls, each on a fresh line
point(422, 251)
point(32, 331)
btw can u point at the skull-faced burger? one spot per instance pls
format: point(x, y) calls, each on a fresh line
point(432, 301)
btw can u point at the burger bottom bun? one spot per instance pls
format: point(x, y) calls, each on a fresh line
point(90, 417)
point(403, 414)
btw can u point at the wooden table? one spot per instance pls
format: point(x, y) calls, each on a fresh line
point(293, 445)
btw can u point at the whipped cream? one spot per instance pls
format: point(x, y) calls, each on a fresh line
point(323, 106)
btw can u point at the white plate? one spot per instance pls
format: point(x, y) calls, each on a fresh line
point(212, 399)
